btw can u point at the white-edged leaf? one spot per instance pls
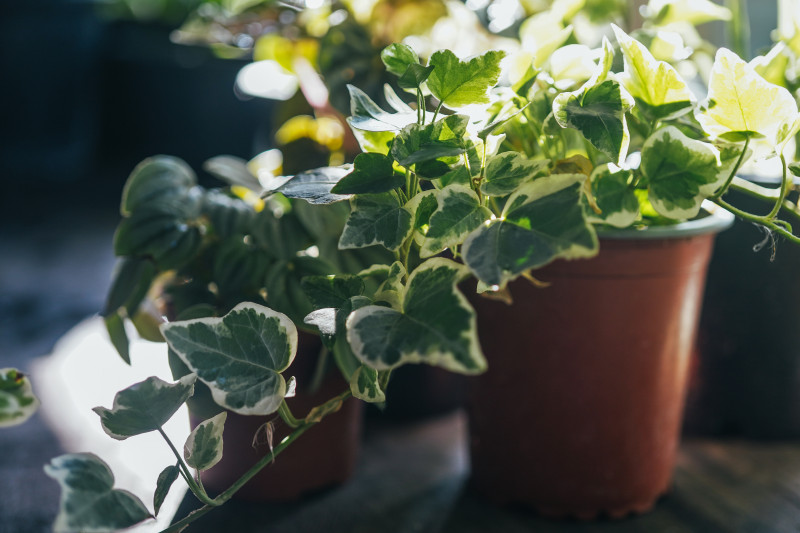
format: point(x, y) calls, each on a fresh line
point(17, 401)
point(436, 325)
point(694, 12)
point(366, 115)
point(240, 356)
point(364, 385)
point(742, 103)
point(505, 172)
point(679, 170)
point(89, 502)
point(203, 447)
point(376, 219)
point(655, 85)
point(144, 406)
point(619, 206)
point(459, 212)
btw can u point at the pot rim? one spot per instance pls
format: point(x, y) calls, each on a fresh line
point(714, 220)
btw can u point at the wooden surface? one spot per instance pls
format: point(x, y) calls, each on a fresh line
point(413, 478)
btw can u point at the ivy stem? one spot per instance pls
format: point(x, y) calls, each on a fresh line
point(436, 113)
point(287, 416)
point(784, 190)
point(765, 194)
point(198, 490)
point(782, 228)
point(264, 461)
point(734, 170)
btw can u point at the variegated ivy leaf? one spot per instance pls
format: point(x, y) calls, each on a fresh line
point(598, 112)
point(743, 104)
point(443, 138)
point(656, 85)
point(505, 172)
point(17, 401)
point(458, 83)
point(391, 289)
point(376, 219)
point(542, 34)
point(459, 212)
point(372, 173)
point(364, 385)
point(144, 406)
point(615, 197)
point(165, 480)
point(240, 356)
point(695, 12)
point(542, 221)
point(89, 501)
point(366, 115)
point(436, 324)
point(203, 448)
point(398, 57)
point(678, 169)
point(378, 142)
point(314, 186)
point(422, 206)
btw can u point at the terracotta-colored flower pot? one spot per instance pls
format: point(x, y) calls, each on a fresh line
point(322, 457)
point(580, 410)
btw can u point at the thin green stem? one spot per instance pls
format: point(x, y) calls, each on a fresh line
point(781, 227)
point(196, 489)
point(436, 113)
point(784, 190)
point(764, 194)
point(287, 416)
point(734, 170)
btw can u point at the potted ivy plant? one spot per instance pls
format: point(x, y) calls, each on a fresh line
point(492, 183)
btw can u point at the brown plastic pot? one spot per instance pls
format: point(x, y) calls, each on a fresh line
point(580, 410)
point(323, 457)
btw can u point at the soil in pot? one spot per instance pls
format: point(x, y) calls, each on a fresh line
point(323, 457)
point(580, 410)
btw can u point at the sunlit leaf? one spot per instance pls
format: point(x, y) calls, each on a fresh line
point(505, 172)
point(372, 173)
point(368, 116)
point(376, 219)
point(615, 197)
point(459, 83)
point(459, 212)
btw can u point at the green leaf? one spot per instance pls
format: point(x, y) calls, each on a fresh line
point(228, 215)
point(655, 85)
point(17, 401)
point(599, 114)
point(378, 142)
point(314, 186)
point(614, 196)
point(144, 406)
point(694, 12)
point(238, 267)
point(366, 115)
point(414, 77)
point(89, 503)
point(130, 282)
point(398, 57)
point(239, 356)
point(422, 206)
point(541, 222)
point(165, 480)
point(203, 448)
point(443, 138)
point(233, 171)
point(505, 172)
point(436, 325)
point(459, 212)
point(372, 173)
point(376, 219)
point(741, 103)
point(678, 170)
point(365, 386)
point(156, 178)
point(115, 325)
point(332, 291)
point(458, 83)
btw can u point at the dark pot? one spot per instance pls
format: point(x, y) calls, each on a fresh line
point(580, 410)
point(324, 456)
point(747, 380)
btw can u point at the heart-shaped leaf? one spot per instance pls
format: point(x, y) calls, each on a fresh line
point(89, 503)
point(435, 326)
point(458, 83)
point(372, 173)
point(376, 219)
point(398, 57)
point(203, 448)
point(239, 356)
point(541, 222)
point(17, 401)
point(459, 212)
point(144, 406)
